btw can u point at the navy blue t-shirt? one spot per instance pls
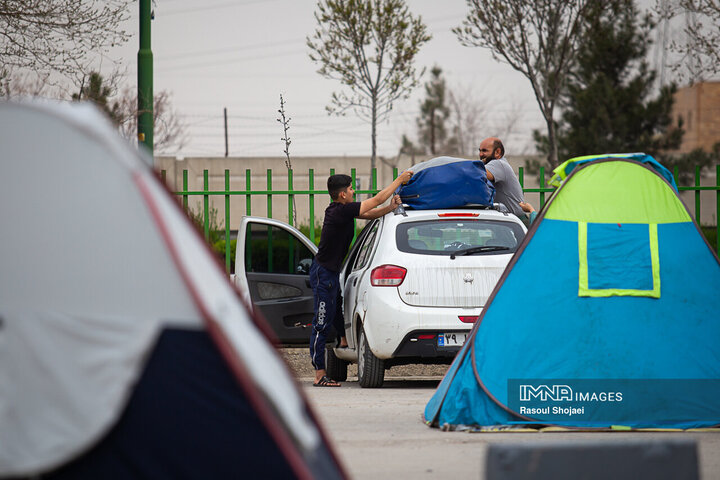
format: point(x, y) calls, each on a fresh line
point(337, 233)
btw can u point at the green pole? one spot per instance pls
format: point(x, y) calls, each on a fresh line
point(145, 79)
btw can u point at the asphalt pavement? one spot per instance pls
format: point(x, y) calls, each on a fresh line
point(379, 434)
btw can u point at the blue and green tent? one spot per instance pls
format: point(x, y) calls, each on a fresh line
point(607, 316)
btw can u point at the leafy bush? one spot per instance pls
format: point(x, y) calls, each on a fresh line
point(710, 232)
point(305, 229)
point(219, 248)
point(216, 233)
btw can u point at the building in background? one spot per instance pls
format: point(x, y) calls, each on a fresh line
point(698, 106)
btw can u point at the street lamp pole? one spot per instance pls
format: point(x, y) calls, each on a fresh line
point(145, 79)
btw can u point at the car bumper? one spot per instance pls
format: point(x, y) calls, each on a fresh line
point(392, 327)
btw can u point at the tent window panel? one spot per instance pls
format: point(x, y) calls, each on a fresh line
point(618, 260)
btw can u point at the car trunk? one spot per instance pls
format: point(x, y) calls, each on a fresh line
point(438, 281)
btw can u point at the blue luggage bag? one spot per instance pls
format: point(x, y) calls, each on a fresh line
point(447, 182)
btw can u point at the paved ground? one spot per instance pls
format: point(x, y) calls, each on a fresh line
point(379, 434)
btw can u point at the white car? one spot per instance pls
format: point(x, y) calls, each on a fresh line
point(413, 284)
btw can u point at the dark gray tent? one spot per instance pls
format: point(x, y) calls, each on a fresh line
point(125, 352)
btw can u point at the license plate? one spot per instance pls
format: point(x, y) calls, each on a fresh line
point(451, 339)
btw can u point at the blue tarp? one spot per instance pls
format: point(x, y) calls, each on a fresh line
point(446, 182)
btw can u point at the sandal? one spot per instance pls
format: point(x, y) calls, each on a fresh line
point(326, 382)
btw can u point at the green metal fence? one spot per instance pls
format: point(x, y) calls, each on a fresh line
point(543, 190)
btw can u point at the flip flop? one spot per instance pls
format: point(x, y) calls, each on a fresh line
point(326, 382)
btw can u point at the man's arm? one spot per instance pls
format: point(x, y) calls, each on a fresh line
point(379, 212)
point(369, 204)
point(488, 173)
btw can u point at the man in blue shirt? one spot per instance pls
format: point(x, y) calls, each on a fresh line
point(337, 234)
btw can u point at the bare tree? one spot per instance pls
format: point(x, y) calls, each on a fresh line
point(58, 36)
point(700, 45)
point(170, 132)
point(370, 46)
point(469, 119)
point(537, 38)
point(285, 122)
point(28, 85)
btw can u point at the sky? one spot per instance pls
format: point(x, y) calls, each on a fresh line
point(243, 54)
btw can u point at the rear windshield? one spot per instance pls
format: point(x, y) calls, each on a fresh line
point(441, 237)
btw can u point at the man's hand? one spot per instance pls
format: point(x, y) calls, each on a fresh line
point(404, 177)
point(396, 202)
point(382, 196)
point(526, 207)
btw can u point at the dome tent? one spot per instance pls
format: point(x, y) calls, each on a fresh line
point(607, 314)
point(125, 352)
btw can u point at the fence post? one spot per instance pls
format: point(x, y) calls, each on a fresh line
point(311, 205)
point(521, 177)
point(291, 243)
point(269, 215)
point(269, 195)
point(354, 185)
point(206, 204)
point(185, 190)
point(542, 187)
point(227, 221)
point(248, 203)
point(697, 194)
point(290, 198)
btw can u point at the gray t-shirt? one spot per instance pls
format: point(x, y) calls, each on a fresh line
point(507, 187)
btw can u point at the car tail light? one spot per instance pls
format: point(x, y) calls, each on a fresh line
point(458, 214)
point(468, 318)
point(387, 276)
point(426, 336)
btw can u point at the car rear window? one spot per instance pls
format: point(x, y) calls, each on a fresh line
point(440, 237)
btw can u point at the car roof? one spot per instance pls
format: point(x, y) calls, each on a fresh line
point(479, 213)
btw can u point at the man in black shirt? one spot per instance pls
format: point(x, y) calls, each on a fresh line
point(337, 234)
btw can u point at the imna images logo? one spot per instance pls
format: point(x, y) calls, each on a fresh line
point(554, 393)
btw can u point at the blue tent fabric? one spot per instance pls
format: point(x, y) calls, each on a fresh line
point(634, 361)
point(446, 182)
point(619, 256)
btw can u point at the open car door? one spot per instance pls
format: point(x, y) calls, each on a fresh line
point(272, 263)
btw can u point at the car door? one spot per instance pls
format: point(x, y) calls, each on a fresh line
point(272, 263)
point(355, 265)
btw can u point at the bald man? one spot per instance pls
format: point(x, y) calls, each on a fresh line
point(507, 187)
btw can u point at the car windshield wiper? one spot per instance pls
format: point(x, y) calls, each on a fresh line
point(471, 250)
